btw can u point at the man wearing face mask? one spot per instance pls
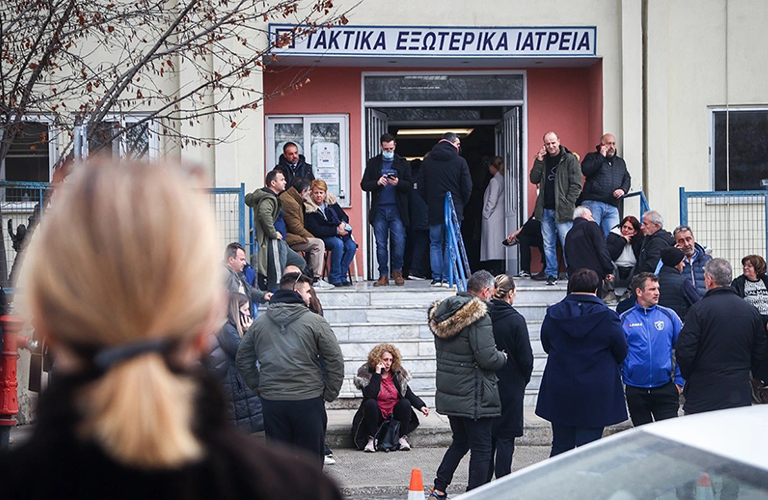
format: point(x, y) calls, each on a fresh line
point(387, 177)
point(441, 172)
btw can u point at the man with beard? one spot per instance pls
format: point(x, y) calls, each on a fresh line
point(607, 181)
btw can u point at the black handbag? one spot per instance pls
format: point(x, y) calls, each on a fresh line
point(388, 435)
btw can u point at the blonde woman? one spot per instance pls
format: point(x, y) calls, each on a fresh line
point(384, 383)
point(132, 414)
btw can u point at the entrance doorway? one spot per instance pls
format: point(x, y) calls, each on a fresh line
point(485, 109)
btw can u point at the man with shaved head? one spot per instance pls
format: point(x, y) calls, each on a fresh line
point(607, 181)
point(556, 171)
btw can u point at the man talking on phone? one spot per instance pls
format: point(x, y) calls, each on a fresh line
point(556, 171)
point(387, 177)
point(607, 182)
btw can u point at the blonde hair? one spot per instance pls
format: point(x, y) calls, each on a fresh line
point(377, 352)
point(319, 184)
point(504, 284)
point(109, 266)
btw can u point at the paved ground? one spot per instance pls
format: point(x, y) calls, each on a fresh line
point(387, 475)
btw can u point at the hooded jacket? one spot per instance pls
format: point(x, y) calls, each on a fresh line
point(443, 171)
point(266, 209)
point(467, 358)
point(368, 381)
point(320, 224)
point(651, 334)
point(287, 341)
point(581, 385)
point(303, 169)
point(568, 179)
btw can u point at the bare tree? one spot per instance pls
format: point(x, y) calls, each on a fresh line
point(173, 63)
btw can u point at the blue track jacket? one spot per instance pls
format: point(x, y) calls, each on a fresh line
point(651, 335)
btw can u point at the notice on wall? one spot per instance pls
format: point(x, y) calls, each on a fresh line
point(326, 165)
point(430, 41)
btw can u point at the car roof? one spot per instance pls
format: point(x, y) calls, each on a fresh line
point(740, 434)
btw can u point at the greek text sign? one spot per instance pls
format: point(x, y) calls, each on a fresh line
point(415, 41)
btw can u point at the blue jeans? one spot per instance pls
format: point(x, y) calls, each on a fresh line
point(439, 253)
point(342, 254)
point(606, 215)
point(387, 221)
point(548, 229)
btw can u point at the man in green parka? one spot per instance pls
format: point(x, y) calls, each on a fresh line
point(467, 360)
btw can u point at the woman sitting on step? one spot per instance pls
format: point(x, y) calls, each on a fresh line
point(384, 383)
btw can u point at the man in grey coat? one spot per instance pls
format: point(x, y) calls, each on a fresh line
point(467, 391)
point(287, 343)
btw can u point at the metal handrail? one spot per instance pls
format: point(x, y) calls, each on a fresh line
point(458, 267)
point(644, 207)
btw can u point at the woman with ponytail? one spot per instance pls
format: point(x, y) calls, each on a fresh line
point(132, 413)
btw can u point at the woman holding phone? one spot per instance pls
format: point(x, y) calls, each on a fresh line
point(384, 383)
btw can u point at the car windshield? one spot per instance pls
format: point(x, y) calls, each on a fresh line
point(640, 467)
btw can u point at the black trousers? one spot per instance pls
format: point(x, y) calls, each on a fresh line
point(649, 405)
point(468, 434)
point(530, 236)
point(372, 418)
point(297, 423)
point(502, 449)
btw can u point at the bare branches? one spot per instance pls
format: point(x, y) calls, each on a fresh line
point(78, 62)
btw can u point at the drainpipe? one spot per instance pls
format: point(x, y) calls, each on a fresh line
point(644, 42)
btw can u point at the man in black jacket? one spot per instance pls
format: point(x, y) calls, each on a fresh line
point(722, 340)
point(607, 181)
point(585, 247)
point(656, 240)
point(387, 177)
point(675, 290)
point(441, 172)
point(292, 164)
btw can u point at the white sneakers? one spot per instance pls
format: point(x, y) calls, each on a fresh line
point(323, 285)
point(404, 446)
point(370, 447)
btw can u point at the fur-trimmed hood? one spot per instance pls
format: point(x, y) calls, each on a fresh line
point(310, 205)
point(364, 374)
point(448, 317)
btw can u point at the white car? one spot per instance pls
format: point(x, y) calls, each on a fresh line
point(720, 455)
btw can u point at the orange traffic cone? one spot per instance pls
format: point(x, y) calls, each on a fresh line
point(416, 488)
point(704, 488)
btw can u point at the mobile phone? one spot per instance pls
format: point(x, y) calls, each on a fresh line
point(391, 176)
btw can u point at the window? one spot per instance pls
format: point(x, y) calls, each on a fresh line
point(435, 87)
point(747, 142)
point(123, 137)
point(29, 159)
point(327, 137)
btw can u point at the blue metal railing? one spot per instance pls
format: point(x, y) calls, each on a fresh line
point(732, 224)
point(644, 207)
point(458, 267)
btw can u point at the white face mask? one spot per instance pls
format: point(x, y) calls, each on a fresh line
point(388, 155)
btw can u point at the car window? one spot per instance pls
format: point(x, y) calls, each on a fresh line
point(640, 467)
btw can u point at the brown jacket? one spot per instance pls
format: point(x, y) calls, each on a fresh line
point(293, 213)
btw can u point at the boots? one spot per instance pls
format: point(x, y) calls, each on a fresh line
point(398, 276)
point(382, 281)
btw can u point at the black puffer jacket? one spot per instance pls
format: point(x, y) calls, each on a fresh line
point(370, 383)
point(55, 463)
point(650, 252)
point(443, 171)
point(467, 358)
point(604, 176)
point(511, 335)
point(243, 406)
point(303, 169)
point(616, 243)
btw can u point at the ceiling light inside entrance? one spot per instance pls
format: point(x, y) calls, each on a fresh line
point(423, 133)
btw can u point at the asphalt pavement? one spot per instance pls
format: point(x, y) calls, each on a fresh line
point(387, 475)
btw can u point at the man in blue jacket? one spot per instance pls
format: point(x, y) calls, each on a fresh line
point(695, 257)
point(653, 381)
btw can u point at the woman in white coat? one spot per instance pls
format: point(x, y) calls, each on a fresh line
point(491, 249)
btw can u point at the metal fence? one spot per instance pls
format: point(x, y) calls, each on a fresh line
point(20, 213)
point(732, 224)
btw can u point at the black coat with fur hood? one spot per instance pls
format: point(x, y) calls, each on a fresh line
point(467, 358)
point(370, 383)
point(56, 464)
